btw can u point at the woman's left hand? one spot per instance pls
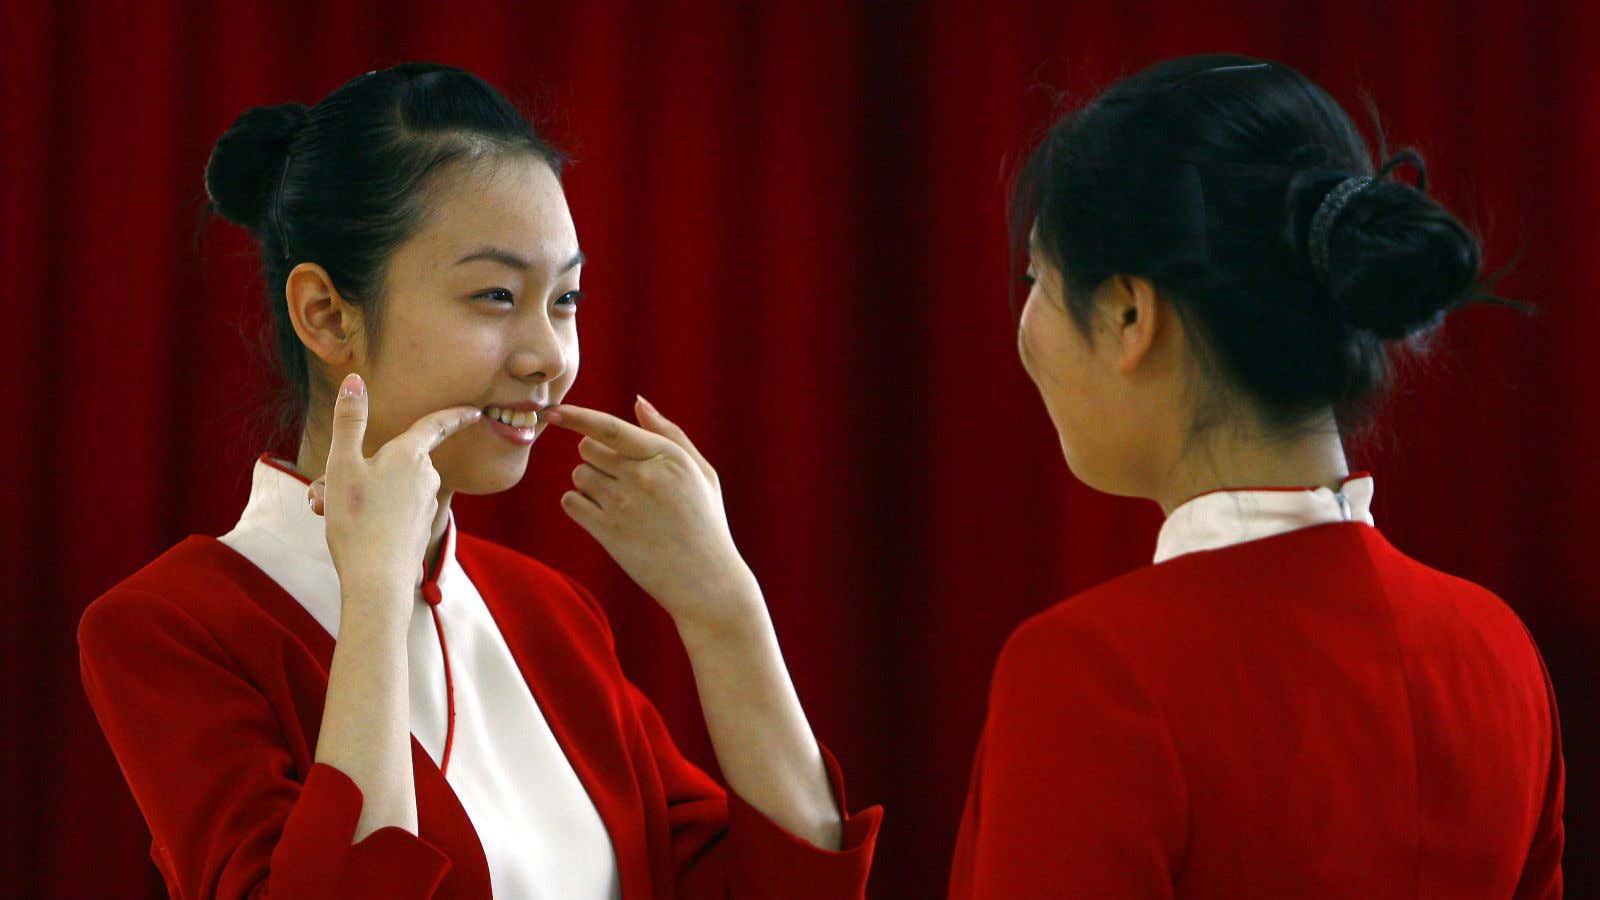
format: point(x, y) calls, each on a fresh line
point(651, 499)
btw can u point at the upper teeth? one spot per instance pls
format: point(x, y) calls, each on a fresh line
point(514, 419)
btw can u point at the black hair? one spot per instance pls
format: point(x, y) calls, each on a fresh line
point(1203, 174)
point(345, 182)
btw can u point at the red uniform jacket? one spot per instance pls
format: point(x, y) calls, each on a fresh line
point(1312, 714)
point(209, 681)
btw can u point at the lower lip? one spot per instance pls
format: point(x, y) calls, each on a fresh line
point(522, 436)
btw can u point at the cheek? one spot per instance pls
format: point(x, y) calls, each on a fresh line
point(1054, 359)
point(1044, 353)
point(1029, 350)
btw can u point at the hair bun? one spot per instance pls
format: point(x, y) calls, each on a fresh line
point(1398, 262)
point(242, 174)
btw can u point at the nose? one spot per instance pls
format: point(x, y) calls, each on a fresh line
point(540, 357)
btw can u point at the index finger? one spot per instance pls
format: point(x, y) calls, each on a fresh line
point(431, 430)
point(619, 434)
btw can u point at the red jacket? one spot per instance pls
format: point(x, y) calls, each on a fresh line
point(209, 682)
point(1312, 714)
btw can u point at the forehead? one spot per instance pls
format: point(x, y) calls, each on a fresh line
point(514, 203)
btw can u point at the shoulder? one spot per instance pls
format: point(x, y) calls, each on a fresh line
point(1142, 624)
point(1127, 603)
point(1075, 645)
point(194, 575)
point(189, 594)
point(1437, 612)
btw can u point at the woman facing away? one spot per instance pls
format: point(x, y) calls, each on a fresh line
point(345, 696)
point(1282, 704)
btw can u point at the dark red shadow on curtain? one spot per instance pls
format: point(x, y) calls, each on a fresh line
point(793, 214)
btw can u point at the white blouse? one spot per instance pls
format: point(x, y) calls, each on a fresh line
point(541, 833)
point(1223, 517)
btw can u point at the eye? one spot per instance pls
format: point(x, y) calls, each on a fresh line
point(499, 295)
point(570, 298)
point(1028, 279)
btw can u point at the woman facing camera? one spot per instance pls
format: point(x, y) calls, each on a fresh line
point(345, 696)
point(1282, 704)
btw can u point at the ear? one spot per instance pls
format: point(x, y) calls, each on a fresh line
point(1135, 313)
point(328, 325)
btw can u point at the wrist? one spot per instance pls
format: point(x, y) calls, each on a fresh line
point(377, 604)
point(377, 584)
point(733, 615)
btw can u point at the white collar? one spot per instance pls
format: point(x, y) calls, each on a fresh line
point(1232, 516)
point(278, 506)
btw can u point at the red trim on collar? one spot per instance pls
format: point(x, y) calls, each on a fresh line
point(430, 578)
point(1347, 479)
point(430, 593)
point(284, 468)
point(449, 690)
point(430, 581)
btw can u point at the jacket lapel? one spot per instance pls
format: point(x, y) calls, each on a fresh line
point(439, 810)
point(585, 709)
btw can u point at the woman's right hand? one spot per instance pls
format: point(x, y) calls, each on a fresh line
point(380, 511)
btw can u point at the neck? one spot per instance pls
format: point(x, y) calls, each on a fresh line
point(1241, 457)
point(311, 461)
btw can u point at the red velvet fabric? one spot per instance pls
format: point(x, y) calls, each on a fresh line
point(793, 214)
point(208, 680)
point(1312, 714)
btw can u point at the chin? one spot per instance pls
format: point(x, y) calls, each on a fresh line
point(492, 477)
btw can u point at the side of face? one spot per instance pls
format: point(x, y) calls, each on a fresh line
point(1107, 394)
point(479, 309)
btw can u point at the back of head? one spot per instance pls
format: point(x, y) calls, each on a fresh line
point(343, 183)
point(1248, 197)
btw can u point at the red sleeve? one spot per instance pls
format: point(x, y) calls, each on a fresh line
point(1077, 790)
point(724, 847)
point(1541, 873)
point(203, 754)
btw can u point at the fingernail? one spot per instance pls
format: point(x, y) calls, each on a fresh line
point(550, 415)
point(352, 386)
point(646, 403)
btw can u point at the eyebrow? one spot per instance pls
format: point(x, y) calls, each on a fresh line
point(511, 260)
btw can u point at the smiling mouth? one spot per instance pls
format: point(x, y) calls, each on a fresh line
point(514, 418)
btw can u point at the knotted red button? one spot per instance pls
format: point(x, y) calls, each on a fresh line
point(430, 593)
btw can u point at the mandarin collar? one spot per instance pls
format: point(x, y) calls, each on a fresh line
point(278, 506)
point(1229, 516)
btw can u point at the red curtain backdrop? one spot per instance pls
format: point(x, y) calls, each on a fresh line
point(793, 216)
